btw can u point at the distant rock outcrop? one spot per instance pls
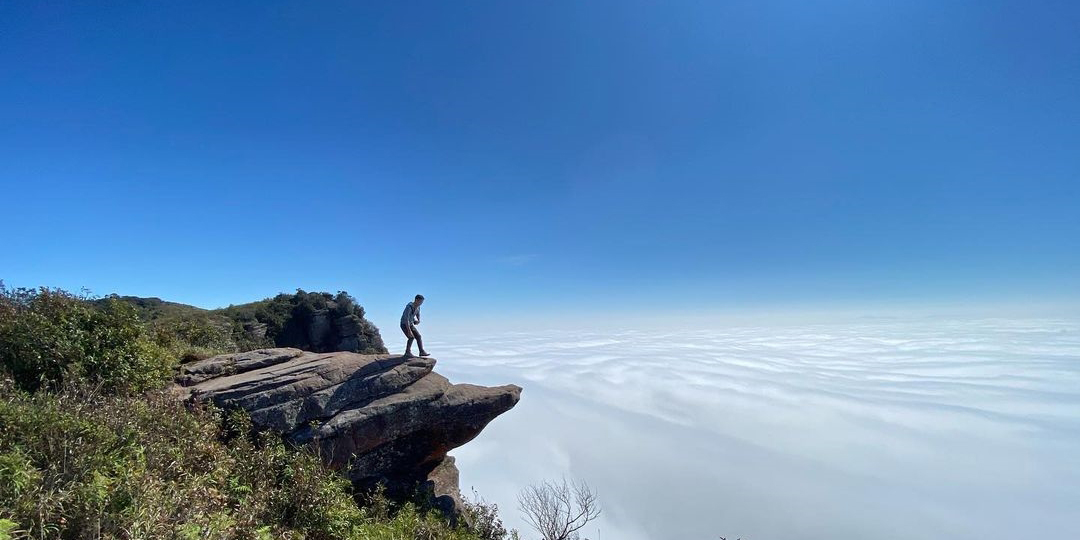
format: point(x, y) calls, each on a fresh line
point(378, 418)
point(312, 321)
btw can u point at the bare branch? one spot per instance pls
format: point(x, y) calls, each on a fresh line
point(558, 510)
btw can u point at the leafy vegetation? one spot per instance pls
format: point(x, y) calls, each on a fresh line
point(79, 464)
point(286, 320)
point(91, 446)
point(50, 336)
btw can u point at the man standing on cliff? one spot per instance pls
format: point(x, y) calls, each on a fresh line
point(409, 319)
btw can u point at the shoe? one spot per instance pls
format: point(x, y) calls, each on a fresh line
point(425, 353)
point(408, 354)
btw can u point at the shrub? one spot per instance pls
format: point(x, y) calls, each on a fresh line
point(193, 337)
point(49, 336)
point(7, 529)
point(484, 519)
point(80, 464)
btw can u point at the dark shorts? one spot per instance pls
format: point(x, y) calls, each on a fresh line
point(409, 331)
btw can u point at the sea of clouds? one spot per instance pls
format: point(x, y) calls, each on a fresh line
point(876, 429)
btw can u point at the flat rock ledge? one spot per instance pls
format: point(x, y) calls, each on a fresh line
point(378, 418)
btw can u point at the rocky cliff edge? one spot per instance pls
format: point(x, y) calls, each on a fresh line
point(377, 418)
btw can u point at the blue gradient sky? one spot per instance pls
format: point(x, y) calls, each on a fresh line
point(544, 156)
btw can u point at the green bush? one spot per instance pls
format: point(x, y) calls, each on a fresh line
point(485, 521)
point(8, 529)
point(193, 337)
point(79, 464)
point(48, 337)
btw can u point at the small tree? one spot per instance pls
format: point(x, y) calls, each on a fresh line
point(558, 510)
point(484, 519)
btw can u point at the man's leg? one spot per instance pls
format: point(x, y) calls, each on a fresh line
point(408, 334)
point(419, 341)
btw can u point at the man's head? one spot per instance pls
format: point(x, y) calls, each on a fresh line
point(418, 300)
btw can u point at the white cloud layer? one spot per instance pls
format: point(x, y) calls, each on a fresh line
point(874, 430)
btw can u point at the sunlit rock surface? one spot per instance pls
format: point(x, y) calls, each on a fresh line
point(379, 418)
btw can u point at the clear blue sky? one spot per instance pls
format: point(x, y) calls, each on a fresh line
point(545, 155)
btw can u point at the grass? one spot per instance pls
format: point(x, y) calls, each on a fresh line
point(79, 464)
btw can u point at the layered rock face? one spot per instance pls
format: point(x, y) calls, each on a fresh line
point(323, 331)
point(378, 418)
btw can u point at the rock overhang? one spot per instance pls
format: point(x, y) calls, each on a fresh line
point(377, 418)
